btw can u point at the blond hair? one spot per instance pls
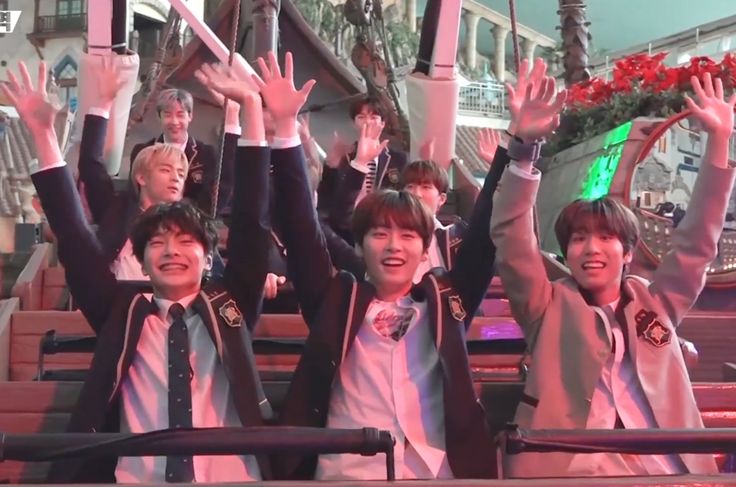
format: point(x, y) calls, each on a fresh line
point(168, 98)
point(153, 156)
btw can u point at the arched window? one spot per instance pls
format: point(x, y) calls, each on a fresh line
point(65, 74)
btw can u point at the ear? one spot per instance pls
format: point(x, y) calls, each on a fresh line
point(442, 200)
point(425, 255)
point(628, 257)
point(140, 179)
point(209, 259)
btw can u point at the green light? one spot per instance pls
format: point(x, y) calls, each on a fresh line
point(600, 174)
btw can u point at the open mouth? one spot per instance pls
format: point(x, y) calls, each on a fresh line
point(172, 267)
point(393, 262)
point(593, 265)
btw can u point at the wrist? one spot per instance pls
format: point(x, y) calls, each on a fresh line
point(286, 127)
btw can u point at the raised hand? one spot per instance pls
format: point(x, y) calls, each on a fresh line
point(536, 110)
point(34, 106)
point(222, 82)
point(426, 151)
point(488, 140)
point(109, 82)
point(713, 112)
point(271, 286)
point(338, 150)
point(369, 143)
point(283, 100)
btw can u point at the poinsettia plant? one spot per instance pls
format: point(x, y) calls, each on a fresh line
point(640, 85)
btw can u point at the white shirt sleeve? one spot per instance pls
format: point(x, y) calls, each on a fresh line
point(285, 142)
point(34, 167)
point(523, 173)
point(100, 112)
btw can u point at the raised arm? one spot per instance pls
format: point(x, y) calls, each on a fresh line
point(98, 185)
point(92, 284)
point(473, 269)
point(680, 277)
point(249, 239)
point(309, 266)
point(535, 113)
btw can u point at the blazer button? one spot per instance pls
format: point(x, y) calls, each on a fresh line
point(333, 363)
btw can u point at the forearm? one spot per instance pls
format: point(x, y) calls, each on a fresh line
point(47, 148)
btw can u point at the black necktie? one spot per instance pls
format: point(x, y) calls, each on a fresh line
point(179, 468)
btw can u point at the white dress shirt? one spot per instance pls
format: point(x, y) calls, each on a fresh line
point(619, 392)
point(126, 266)
point(365, 169)
point(144, 401)
point(394, 385)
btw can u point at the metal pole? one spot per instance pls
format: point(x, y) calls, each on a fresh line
point(119, 38)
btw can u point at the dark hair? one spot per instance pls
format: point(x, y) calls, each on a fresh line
point(604, 214)
point(401, 208)
point(373, 103)
point(420, 172)
point(181, 216)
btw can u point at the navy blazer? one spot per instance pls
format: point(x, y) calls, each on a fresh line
point(339, 188)
point(334, 307)
point(199, 186)
point(117, 311)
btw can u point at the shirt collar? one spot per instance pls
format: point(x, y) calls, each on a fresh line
point(164, 305)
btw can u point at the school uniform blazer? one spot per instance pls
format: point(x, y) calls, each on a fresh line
point(569, 338)
point(334, 306)
point(203, 159)
point(340, 188)
point(117, 311)
point(474, 255)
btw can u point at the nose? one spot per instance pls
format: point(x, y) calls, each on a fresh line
point(171, 248)
point(392, 243)
point(591, 245)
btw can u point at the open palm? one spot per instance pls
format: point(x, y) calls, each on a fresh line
point(34, 105)
point(220, 80)
point(109, 80)
point(714, 113)
point(282, 99)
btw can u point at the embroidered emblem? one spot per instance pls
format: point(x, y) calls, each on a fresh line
point(651, 329)
point(196, 176)
point(456, 307)
point(393, 176)
point(231, 314)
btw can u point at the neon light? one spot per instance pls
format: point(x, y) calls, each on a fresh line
point(600, 174)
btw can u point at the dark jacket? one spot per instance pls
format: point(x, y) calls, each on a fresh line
point(340, 187)
point(334, 307)
point(114, 212)
point(199, 186)
point(117, 311)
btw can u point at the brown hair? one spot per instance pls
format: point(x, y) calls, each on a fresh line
point(421, 172)
point(154, 156)
point(385, 207)
point(604, 214)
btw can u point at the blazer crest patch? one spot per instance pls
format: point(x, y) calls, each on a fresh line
point(393, 176)
point(456, 307)
point(651, 329)
point(196, 176)
point(231, 314)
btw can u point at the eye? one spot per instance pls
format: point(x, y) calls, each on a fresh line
point(409, 235)
point(155, 242)
point(379, 233)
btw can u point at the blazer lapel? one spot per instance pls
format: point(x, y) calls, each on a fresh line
point(191, 149)
point(366, 293)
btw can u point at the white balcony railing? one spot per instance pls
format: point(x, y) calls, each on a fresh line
point(487, 98)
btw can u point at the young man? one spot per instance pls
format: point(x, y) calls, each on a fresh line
point(604, 348)
point(347, 178)
point(175, 111)
point(183, 359)
point(395, 352)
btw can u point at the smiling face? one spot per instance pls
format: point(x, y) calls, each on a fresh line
point(598, 238)
point(393, 230)
point(174, 243)
point(175, 122)
point(596, 260)
point(176, 262)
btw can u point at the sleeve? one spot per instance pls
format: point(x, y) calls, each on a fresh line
point(88, 275)
point(473, 270)
point(343, 255)
point(98, 185)
point(250, 232)
point(308, 260)
point(680, 277)
point(518, 257)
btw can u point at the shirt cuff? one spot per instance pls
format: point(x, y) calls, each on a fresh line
point(534, 175)
point(233, 129)
point(35, 168)
point(100, 112)
point(360, 167)
point(252, 143)
point(286, 142)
